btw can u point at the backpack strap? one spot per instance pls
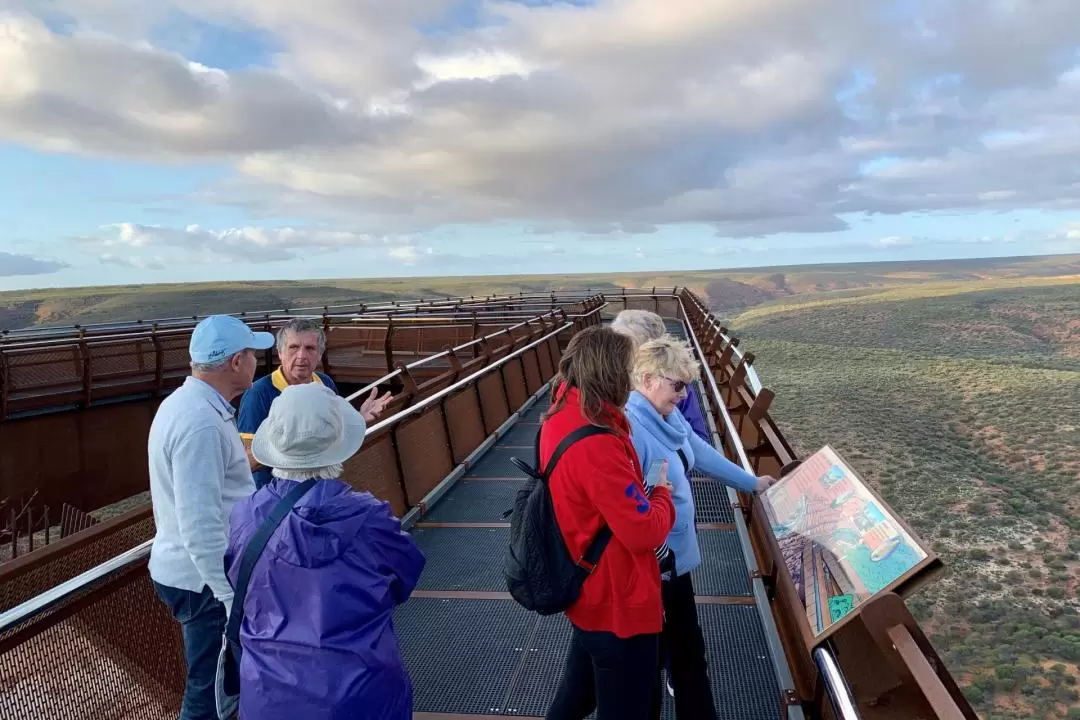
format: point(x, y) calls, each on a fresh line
point(591, 556)
point(581, 433)
point(254, 550)
point(685, 463)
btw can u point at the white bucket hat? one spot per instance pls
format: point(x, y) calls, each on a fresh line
point(309, 426)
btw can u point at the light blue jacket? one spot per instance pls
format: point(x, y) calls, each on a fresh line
point(659, 438)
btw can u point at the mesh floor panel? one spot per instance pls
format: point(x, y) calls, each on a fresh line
point(493, 657)
point(462, 654)
point(496, 463)
point(711, 503)
point(476, 501)
point(744, 686)
point(543, 667)
point(743, 681)
point(723, 568)
point(522, 433)
point(462, 558)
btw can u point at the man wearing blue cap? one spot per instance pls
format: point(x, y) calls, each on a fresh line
point(198, 470)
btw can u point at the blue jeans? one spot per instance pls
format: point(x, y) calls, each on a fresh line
point(202, 619)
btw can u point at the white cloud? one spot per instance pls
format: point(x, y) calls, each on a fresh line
point(622, 115)
point(12, 264)
point(138, 263)
point(251, 244)
point(895, 241)
point(410, 255)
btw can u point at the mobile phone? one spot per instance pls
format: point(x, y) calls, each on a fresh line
point(652, 477)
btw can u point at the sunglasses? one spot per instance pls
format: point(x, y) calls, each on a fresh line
point(676, 385)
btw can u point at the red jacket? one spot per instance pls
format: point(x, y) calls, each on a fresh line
point(598, 480)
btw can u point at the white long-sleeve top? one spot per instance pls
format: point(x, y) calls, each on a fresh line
point(198, 470)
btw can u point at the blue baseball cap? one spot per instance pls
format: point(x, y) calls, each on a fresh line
point(219, 336)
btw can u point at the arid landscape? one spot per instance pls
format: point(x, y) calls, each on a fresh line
point(953, 386)
point(960, 402)
point(768, 289)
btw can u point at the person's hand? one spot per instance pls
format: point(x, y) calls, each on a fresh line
point(375, 404)
point(764, 482)
point(663, 481)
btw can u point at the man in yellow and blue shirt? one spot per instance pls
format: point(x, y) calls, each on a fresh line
point(300, 346)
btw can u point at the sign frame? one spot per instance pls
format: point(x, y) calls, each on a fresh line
point(904, 584)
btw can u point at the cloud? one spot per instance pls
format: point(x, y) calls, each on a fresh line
point(248, 244)
point(410, 255)
point(894, 241)
point(606, 119)
point(95, 95)
point(12, 264)
point(133, 262)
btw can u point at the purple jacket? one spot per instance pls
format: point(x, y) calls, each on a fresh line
point(691, 412)
point(318, 638)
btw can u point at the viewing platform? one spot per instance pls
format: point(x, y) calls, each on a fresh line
point(82, 634)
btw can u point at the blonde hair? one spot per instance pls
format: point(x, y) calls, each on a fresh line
point(664, 357)
point(641, 326)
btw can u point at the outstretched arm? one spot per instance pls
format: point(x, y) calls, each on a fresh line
point(710, 461)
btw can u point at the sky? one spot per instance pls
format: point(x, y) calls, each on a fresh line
point(151, 141)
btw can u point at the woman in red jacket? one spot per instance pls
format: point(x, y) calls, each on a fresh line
point(614, 649)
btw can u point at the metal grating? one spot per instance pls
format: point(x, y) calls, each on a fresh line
point(542, 670)
point(462, 654)
point(744, 686)
point(743, 680)
point(711, 504)
point(476, 501)
point(723, 569)
point(496, 463)
point(462, 558)
point(522, 433)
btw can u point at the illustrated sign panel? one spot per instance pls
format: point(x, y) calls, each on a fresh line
point(840, 543)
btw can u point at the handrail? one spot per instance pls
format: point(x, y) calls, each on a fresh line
point(835, 683)
point(751, 372)
point(40, 603)
point(446, 353)
point(390, 305)
point(51, 597)
point(423, 404)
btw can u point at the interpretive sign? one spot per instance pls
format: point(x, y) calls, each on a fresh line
point(841, 543)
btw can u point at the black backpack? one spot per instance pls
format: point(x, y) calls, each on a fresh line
point(540, 573)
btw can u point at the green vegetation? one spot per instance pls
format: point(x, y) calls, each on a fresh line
point(963, 410)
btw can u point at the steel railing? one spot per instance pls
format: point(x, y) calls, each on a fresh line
point(41, 603)
point(836, 685)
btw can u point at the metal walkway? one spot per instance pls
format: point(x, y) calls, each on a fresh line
point(472, 651)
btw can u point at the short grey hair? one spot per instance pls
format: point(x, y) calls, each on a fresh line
point(330, 472)
point(301, 325)
point(216, 366)
point(641, 326)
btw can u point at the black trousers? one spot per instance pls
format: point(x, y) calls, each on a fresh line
point(615, 676)
point(684, 646)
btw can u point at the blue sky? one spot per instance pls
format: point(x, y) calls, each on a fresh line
point(171, 142)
